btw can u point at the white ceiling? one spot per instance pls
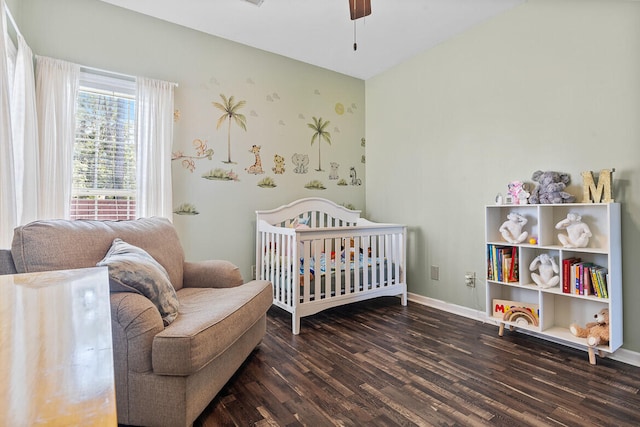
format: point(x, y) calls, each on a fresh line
point(321, 33)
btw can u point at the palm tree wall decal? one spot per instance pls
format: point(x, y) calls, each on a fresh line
point(230, 112)
point(320, 133)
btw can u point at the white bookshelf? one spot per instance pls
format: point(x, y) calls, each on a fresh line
point(558, 309)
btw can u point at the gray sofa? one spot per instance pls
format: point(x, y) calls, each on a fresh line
point(164, 376)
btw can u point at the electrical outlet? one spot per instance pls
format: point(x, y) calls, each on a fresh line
point(470, 279)
point(435, 272)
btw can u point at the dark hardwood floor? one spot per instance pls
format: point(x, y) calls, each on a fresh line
point(377, 363)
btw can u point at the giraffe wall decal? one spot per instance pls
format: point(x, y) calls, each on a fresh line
point(256, 168)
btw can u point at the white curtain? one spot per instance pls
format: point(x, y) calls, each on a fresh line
point(56, 88)
point(8, 208)
point(24, 125)
point(154, 121)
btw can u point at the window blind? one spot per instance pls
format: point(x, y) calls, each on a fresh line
point(104, 160)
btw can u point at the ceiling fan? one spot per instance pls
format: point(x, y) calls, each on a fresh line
point(358, 9)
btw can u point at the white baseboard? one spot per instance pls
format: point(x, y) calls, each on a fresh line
point(621, 355)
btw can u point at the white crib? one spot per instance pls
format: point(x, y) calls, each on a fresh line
point(319, 255)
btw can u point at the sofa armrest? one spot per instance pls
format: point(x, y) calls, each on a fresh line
point(135, 321)
point(211, 274)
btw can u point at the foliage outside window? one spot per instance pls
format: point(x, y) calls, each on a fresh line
point(104, 159)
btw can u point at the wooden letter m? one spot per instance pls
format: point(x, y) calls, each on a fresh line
point(600, 193)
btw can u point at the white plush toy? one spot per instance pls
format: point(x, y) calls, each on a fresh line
point(511, 229)
point(578, 232)
point(548, 269)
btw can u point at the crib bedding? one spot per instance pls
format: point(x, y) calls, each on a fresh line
point(337, 257)
point(376, 275)
point(352, 285)
point(342, 264)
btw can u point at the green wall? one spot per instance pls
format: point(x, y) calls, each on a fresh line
point(281, 97)
point(551, 85)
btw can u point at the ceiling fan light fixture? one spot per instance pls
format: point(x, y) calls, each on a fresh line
point(256, 2)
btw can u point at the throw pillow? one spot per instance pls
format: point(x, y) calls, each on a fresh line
point(132, 267)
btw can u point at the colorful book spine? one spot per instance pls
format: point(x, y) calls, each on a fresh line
point(567, 283)
point(596, 285)
point(513, 268)
point(502, 263)
point(586, 279)
point(601, 275)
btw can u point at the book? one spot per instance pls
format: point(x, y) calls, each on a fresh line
point(573, 280)
point(601, 275)
point(586, 279)
point(506, 265)
point(513, 268)
point(596, 285)
point(494, 251)
point(502, 263)
point(566, 274)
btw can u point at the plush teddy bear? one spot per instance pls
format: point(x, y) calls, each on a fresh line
point(550, 187)
point(596, 332)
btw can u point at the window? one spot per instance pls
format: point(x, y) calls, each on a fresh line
point(104, 159)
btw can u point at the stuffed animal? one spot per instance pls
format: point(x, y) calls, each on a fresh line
point(550, 188)
point(518, 192)
point(596, 332)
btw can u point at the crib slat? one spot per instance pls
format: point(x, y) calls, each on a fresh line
point(374, 256)
point(268, 264)
point(343, 267)
point(291, 273)
point(394, 262)
point(357, 264)
point(281, 268)
point(306, 278)
point(366, 277)
point(332, 259)
point(317, 285)
point(379, 260)
point(399, 258)
point(274, 270)
point(386, 261)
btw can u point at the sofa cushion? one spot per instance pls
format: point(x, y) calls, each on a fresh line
point(132, 267)
point(6, 262)
point(210, 320)
point(62, 244)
